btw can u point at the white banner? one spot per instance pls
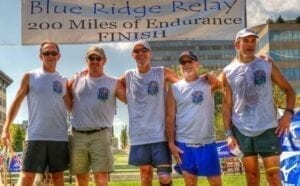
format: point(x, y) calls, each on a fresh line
point(91, 21)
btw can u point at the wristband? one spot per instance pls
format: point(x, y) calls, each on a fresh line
point(291, 111)
point(228, 133)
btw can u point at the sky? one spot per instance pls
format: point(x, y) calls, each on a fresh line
point(16, 59)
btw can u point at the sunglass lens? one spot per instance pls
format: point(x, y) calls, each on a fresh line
point(48, 53)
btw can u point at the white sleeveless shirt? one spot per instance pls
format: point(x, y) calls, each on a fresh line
point(146, 106)
point(94, 102)
point(47, 112)
point(194, 121)
point(251, 85)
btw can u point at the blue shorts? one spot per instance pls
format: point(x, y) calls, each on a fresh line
point(150, 154)
point(200, 160)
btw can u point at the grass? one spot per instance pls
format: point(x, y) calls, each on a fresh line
point(227, 180)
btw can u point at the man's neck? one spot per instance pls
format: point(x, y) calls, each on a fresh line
point(244, 59)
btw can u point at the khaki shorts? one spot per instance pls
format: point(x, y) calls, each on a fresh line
point(91, 152)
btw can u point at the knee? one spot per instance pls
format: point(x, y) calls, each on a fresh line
point(164, 175)
point(252, 178)
point(273, 177)
point(27, 178)
point(146, 172)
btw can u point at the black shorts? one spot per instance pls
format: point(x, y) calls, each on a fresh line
point(266, 144)
point(41, 155)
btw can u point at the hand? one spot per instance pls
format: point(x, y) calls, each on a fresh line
point(284, 124)
point(176, 151)
point(84, 72)
point(232, 142)
point(5, 138)
point(212, 79)
point(266, 58)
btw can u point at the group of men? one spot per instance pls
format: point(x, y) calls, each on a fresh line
point(179, 122)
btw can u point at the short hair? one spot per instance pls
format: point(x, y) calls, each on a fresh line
point(48, 42)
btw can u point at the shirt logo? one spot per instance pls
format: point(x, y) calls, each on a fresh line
point(259, 77)
point(153, 88)
point(57, 87)
point(103, 93)
point(197, 97)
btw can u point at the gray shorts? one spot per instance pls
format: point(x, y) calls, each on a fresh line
point(41, 155)
point(91, 152)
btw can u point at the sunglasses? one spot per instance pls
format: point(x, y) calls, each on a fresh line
point(143, 50)
point(97, 58)
point(185, 62)
point(48, 53)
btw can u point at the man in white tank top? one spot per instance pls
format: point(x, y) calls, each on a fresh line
point(145, 93)
point(46, 143)
point(190, 123)
point(248, 109)
point(93, 108)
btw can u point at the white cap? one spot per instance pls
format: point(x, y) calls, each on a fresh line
point(143, 43)
point(244, 33)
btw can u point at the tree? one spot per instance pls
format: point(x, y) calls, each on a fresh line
point(298, 19)
point(270, 21)
point(124, 137)
point(17, 137)
point(279, 97)
point(280, 20)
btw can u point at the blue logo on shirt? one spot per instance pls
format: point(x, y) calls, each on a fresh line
point(259, 77)
point(152, 88)
point(57, 87)
point(197, 97)
point(103, 93)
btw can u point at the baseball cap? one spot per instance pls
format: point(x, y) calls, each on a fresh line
point(96, 51)
point(189, 54)
point(244, 33)
point(143, 43)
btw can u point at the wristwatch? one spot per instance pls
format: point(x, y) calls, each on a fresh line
point(291, 111)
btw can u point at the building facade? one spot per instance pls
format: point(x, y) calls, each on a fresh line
point(281, 41)
point(213, 54)
point(4, 82)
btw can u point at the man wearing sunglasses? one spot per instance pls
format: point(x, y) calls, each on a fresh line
point(94, 106)
point(46, 143)
point(145, 92)
point(190, 123)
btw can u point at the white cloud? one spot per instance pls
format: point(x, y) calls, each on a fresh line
point(259, 11)
point(119, 46)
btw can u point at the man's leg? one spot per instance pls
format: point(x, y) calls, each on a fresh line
point(214, 180)
point(189, 179)
point(101, 178)
point(58, 178)
point(82, 179)
point(164, 175)
point(252, 170)
point(146, 174)
point(272, 170)
point(27, 178)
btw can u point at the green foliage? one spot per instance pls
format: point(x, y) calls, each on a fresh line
point(280, 20)
point(279, 97)
point(298, 19)
point(124, 137)
point(269, 21)
point(17, 137)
